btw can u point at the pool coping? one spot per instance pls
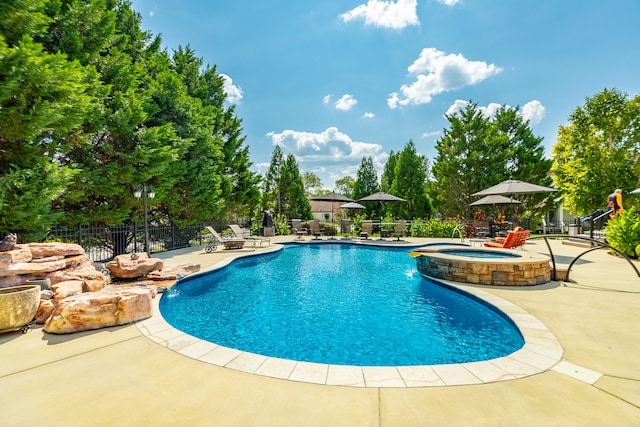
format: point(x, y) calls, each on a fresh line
point(540, 352)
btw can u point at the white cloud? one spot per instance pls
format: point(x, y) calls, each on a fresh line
point(326, 99)
point(385, 14)
point(368, 115)
point(330, 154)
point(430, 134)
point(449, 2)
point(533, 111)
point(346, 103)
point(151, 13)
point(437, 73)
point(233, 92)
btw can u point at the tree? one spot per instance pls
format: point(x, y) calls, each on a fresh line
point(272, 191)
point(598, 151)
point(312, 183)
point(477, 152)
point(389, 172)
point(44, 98)
point(366, 183)
point(297, 205)
point(346, 186)
point(409, 182)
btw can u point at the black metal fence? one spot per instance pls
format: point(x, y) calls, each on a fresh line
point(103, 243)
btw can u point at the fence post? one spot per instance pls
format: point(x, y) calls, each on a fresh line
point(80, 235)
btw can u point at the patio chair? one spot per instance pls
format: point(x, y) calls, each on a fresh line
point(481, 228)
point(366, 228)
point(230, 243)
point(399, 229)
point(315, 229)
point(514, 239)
point(239, 233)
point(298, 229)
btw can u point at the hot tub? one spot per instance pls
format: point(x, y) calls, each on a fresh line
point(494, 267)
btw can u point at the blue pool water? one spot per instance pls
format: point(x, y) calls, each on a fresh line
point(478, 253)
point(338, 304)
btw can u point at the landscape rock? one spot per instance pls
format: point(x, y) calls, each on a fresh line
point(92, 279)
point(66, 289)
point(20, 253)
point(45, 309)
point(174, 272)
point(41, 250)
point(111, 306)
point(124, 267)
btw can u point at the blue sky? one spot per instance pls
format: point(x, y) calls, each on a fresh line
point(332, 81)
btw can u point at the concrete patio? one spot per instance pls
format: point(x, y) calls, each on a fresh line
point(119, 377)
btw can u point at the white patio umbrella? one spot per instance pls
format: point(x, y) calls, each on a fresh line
point(495, 200)
point(636, 191)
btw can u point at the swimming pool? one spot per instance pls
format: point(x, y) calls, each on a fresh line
point(338, 304)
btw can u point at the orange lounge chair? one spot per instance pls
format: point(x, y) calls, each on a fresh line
point(514, 239)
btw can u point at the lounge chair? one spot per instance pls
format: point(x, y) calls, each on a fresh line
point(231, 243)
point(238, 233)
point(514, 239)
point(366, 228)
point(399, 229)
point(315, 229)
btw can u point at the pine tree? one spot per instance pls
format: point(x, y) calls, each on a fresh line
point(410, 179)
point(366, 184)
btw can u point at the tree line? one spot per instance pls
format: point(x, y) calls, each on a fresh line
point(92, 107)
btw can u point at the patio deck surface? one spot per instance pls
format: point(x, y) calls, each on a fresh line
point(118, 376)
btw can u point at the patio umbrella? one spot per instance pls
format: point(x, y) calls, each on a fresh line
point(351, 205)
point(636, 191)
point(381, 196)
point(513, 186)
point(495, 200)
point(332, 197)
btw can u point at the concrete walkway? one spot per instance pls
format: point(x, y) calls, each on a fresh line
point(118, 377)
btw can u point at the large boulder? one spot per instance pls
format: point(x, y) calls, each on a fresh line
point(19, 253)
point(129, 267)
point(111, 306)
point(43, 250)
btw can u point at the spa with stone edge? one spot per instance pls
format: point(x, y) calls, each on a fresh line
point(483, 266)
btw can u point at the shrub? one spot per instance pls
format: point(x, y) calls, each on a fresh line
point(623, 233)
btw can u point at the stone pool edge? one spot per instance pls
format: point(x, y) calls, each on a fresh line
point(541, 352)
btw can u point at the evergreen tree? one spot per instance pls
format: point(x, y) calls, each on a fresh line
point(410, 179)
point(389, 172)
point(44, 98)
point(477, 152)
point(366, 184)
point(297, 204)
point(272, 190)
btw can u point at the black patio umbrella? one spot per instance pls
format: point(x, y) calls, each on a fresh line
point(332, 197)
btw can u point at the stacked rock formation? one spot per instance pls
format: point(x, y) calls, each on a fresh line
point(76, 296)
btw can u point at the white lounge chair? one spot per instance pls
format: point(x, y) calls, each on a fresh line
point(241, 234)
point(231, 243)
